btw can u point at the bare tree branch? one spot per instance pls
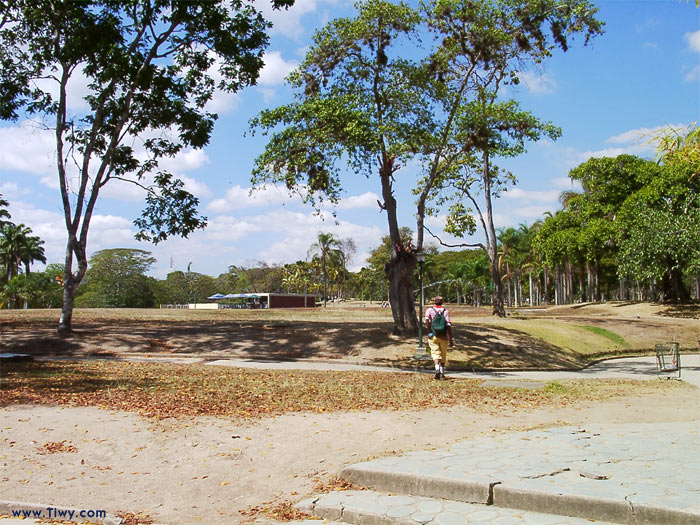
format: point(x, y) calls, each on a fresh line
point(462, 245)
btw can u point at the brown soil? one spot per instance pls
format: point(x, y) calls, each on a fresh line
point(208, 470)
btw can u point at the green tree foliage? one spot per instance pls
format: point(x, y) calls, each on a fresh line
point(359, 105)
point(660, 233)
point(34, 290)
point(150, 70)
point(19, 249)
point(117, 279)
point(638, 213)
point(4, 214)
point(257, 276)
point(485, 45)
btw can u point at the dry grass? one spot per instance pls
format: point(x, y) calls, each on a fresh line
point(167, 390)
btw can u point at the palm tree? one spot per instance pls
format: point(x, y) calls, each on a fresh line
point(327, 248)
point(12, 238)
point(3, 212)
point(18, 247)
point(31, 251)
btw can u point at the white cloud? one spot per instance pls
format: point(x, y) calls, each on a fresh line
point(189, 159)
point(640, 141)
point(76, 90)
point(238, 197)
point(268, 94)
point(9, 190)
point(27, 148)
point(538, 83)
point(641, 135)
point(299, 231)
point(693, 40)
point(276, 69)
point(565, 183)
point(222, 101)
point(649, 23)
point(366, 200)
point(522, 195)
point(692, 75)
point(287, 22)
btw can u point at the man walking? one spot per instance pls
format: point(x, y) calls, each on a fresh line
point(437, 321)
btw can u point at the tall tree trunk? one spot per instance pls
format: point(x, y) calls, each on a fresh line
point(673, 287)
point(492, 248)
point(509, 287)
point(596, 276)
point(399, 270)
point(74, 248)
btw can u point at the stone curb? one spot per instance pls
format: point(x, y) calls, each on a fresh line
point(420, 485)
point(365, 507)
point(7, 507)
point(500, 494)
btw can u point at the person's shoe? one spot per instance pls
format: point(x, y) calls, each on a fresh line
point(437, 375)
point(442, 376)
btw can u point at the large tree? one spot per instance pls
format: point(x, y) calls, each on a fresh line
point(359, 106)
point(117, 279)
point(367, 96)
point(150, 67)
point(484, 46)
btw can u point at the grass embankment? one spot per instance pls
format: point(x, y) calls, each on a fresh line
point(167, 390)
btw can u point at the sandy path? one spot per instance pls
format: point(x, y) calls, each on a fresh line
point(206, 470)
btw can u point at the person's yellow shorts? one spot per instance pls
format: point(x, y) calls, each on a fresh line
point(438, 348)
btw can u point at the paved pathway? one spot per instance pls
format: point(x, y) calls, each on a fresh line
point(629, 368)
point(625, 473)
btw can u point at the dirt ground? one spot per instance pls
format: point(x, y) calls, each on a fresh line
point(356, 333)
point(208, 470)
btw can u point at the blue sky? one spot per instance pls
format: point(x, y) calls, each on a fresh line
point(608, 98)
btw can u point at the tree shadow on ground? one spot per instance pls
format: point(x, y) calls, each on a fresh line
point(684, 311)
point(481, 348)
point(242, 340)
point(66, 379)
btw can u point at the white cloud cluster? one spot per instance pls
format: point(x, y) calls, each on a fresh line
point(27, 148)
point(276, 69)
point(30, 148)
point(288, 22)
point(693, 41)
point(366, 200)
point(538, 82)
point(238, 197)
point(640, 141)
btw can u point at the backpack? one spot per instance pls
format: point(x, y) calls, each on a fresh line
point(439, 324)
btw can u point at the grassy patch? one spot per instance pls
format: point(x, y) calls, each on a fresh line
point(611, 336)
point(579, 342)
point(167, 390)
